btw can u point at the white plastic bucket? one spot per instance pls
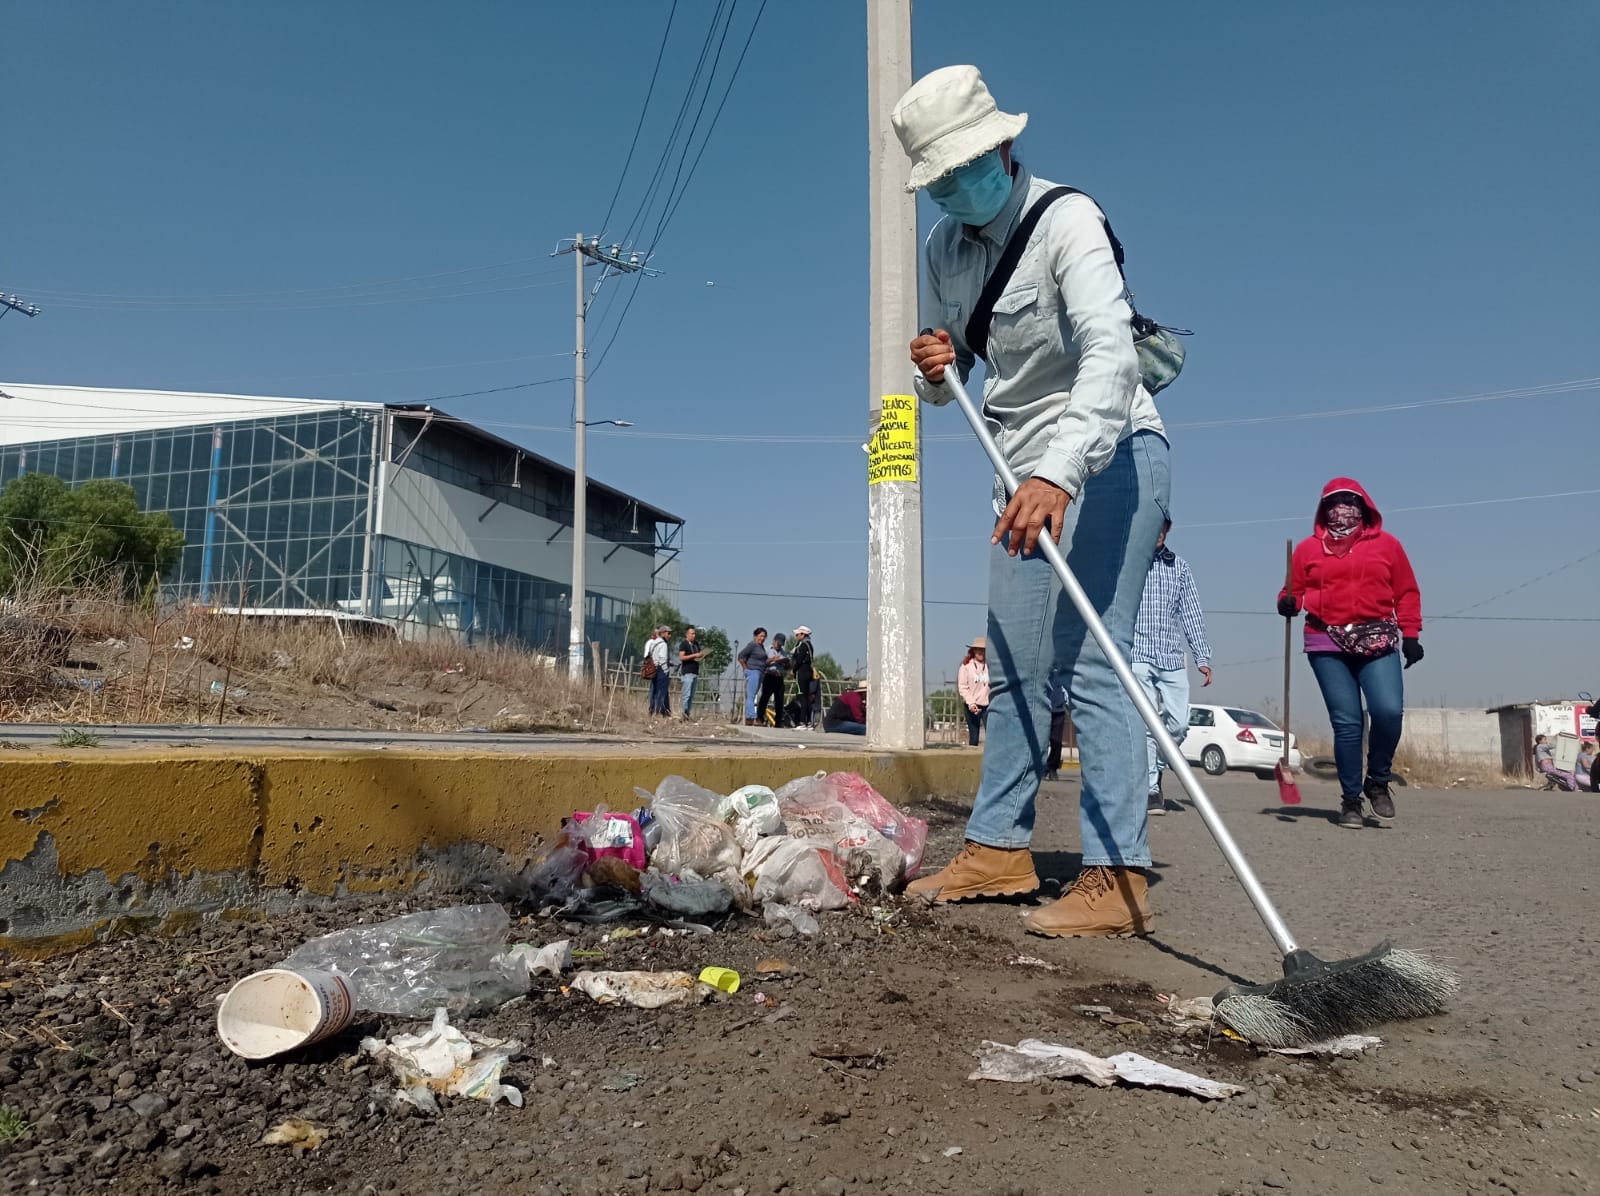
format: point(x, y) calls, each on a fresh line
point(270, 1012)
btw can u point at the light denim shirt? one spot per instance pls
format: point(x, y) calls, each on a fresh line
point(1062, 387)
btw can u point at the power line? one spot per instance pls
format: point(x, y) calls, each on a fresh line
point(288, 293)
point(449, 291)
point(1531, 581)
point(643, 112)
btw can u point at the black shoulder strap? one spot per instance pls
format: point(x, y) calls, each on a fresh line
point(978, 324)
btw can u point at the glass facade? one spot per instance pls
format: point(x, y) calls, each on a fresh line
point(282, 503)
point(480, 601)
point(278, 505)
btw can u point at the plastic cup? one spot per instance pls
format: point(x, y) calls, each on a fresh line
point(278, 1010)
point(725, 979)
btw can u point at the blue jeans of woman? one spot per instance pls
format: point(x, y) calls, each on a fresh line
point(975, 723)
point(1345, 680)
point(752, 689)
point(1109, 535)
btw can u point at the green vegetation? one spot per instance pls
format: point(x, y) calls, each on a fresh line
point(54, 537)
point(73, 737)
point(13, 1125)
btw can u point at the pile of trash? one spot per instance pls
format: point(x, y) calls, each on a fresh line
point(818, 843)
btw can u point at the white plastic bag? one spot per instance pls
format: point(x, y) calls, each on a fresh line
point(694, 836)
point(753, 813)
point(801, 872)
point(814, 809)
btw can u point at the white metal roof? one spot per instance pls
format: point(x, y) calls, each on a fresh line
point(29, 412)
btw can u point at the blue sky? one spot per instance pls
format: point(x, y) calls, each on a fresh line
point(1355, 206)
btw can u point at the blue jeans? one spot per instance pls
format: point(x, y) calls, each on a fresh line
point(846, 728)
point(690, 680)
point(1169, 690)
point(1344, 680)
point(659, 687)
point(1109, 535)
point(752, 690)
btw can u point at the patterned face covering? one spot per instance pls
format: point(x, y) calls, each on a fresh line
point(1342, 518)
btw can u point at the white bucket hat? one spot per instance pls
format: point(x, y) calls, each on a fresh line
point(948, 119)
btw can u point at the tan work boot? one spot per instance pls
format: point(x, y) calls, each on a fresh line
point(1102, 903)
point(979, 871)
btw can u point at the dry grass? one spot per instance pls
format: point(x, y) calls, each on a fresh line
point(1432, 770)
point(94, 658)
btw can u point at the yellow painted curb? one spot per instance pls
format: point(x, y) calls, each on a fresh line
point(86, 839)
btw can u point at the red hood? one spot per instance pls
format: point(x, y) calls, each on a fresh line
point(1375, 518)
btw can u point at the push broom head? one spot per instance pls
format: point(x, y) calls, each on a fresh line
point(1317, 999)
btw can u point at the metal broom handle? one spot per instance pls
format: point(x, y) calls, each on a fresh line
point(1141, 701)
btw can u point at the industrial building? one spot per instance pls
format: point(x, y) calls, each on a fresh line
point(393, 511)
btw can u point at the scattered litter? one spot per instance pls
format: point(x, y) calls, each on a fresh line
point(623, 1081)
point(551, 960)
point(722, 979)
point(643, 990)
point(853, 1054)
point(1334, 1048)
point(1147, 1073)
point(409, 966)
point(1033, 1060)
point(694, 836)
point(281, 659)
point(185, 643)
point(1190, 1009)
point(950, 1152)
point(1030, 961)
point(443, 1059)
point(114, 643)
point(803, 922)
point(301, 1135)
point(233, 691)
point(1092, 1010)
point(281, 1009)
point(772, 967)
point(802, 872)
point(689, 896)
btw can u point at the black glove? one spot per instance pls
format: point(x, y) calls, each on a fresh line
point(1287, 607)
point(1411, 649)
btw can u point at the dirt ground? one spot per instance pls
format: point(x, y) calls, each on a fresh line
point(113, 1078)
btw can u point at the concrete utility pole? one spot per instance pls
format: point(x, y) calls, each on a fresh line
point(613, 259)
point(894, 569)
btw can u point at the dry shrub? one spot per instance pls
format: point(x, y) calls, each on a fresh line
point(1431, 770)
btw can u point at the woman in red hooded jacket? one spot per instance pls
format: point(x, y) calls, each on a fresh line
point(1363, 614)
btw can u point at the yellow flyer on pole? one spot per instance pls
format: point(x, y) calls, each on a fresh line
point(892, 451)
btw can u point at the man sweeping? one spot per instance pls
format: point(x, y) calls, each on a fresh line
point(1064, 399)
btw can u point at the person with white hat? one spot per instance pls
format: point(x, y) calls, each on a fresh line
point(972, 684)
point(801, 658)
point(1063, 395)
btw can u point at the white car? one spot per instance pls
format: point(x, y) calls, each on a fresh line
point(1224, 737)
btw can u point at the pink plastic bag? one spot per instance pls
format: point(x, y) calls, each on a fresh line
point(605, 833)
point(910, 834)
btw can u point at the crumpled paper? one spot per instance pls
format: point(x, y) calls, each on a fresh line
point(550, 960)
point(643, 990)
point(1031, 1060)
point(443, 1059)
point(295, 1132)
point(1335, 1048)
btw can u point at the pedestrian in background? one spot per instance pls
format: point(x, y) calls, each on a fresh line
point(972, 683)
point(1363, 613)
point(848, 713)
point(753, 660)
point(690, 654)
point(1058, 728)
point(801, 656)
point(661, 679)
point(1169, 618)
point(772, 682)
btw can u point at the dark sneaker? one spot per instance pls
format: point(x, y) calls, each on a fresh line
point(1350, 814)
point(1381, 799)
point(1155, 804)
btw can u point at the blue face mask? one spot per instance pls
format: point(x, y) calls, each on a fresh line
point(974, 193)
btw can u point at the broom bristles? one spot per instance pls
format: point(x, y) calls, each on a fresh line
point(1317, 1000)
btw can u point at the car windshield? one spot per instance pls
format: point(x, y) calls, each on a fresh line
point(1249, 718)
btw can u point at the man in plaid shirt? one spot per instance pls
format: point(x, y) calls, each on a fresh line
point(1169, 616)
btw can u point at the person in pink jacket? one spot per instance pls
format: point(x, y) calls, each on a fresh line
point(972, 683)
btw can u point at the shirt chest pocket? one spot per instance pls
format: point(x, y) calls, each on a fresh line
point(1024, 322)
